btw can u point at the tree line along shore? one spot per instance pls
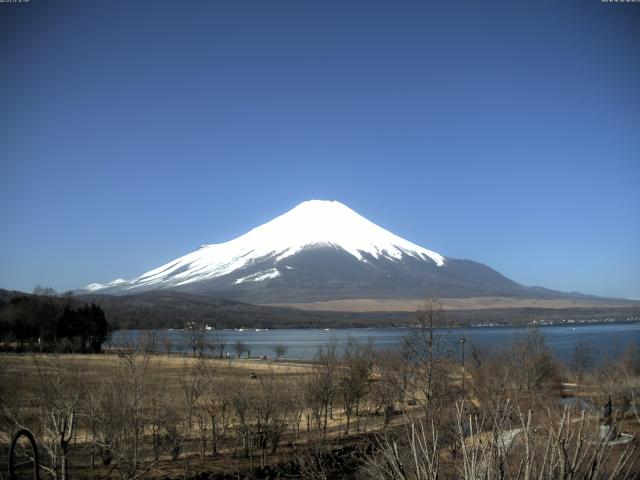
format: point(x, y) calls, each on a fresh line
point(166, 309)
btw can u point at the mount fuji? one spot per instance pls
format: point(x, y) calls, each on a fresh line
point(321, 250)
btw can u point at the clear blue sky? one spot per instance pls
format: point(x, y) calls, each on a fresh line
point(504, 132)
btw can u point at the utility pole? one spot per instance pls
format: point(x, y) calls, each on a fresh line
point(462, 341)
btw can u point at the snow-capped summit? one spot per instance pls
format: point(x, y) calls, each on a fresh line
point(317, 250)
point(321, 222)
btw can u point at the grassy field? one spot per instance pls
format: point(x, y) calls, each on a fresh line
point(453, 304)
point(140, 415)
point(184, 390)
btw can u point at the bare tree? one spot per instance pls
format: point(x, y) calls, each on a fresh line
point(220, 342)
point(321, 386)
point(422, 346)
point(44, 291)
point(279, 350)
point(60, 403)
point(391, 382)
point(535, 374)
point(353, 379)
point(511, 445)
point(296, 391)
point(416, 458)
point(315, 460)
point(240, 348)
point(217, 402)
point(620, 380)
point(148, 342)
point(195, 336)
point(119, 411)
point(582, 360)
point(158, 417)
point(272, 406)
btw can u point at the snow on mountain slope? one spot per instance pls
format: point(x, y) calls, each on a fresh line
point(310, 224)
point(99, 286)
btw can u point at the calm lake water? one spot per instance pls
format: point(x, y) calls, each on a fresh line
point(605, 339)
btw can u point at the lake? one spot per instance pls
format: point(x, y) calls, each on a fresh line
point(605, 339)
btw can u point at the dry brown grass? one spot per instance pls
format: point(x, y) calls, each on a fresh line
point(473, 303)
point(20, 377)
point(19, 374)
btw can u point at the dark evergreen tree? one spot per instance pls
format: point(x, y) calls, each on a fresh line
point(98, 328)
point(46, 323)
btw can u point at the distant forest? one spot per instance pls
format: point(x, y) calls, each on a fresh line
point(47, 323)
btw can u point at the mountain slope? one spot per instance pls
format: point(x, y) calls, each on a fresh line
point(321, 250)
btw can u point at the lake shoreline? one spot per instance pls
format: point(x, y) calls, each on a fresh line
point(604, 338)
point(407, 327)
